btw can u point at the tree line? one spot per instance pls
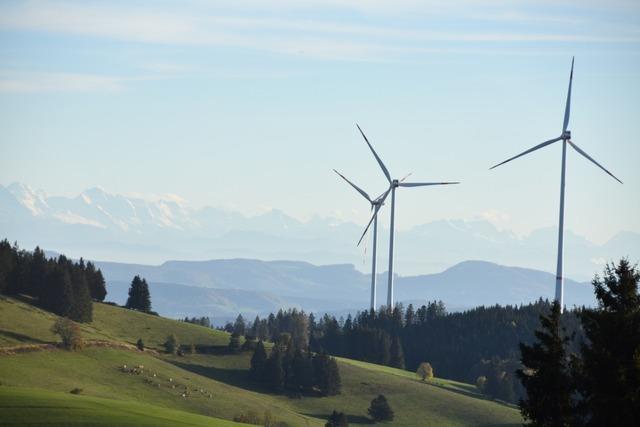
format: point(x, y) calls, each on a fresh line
point(292, 367)
point(597, 382)
point(60, 285)
point(475, 346)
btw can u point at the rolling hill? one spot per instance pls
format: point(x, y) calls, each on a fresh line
point(214, 385)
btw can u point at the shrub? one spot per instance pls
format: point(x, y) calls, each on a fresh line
point(69, 332)
point(337, 419)
point(172, 345)
point(76, 391)
point(481, 381)
point(425, 371)
point(380, 409)
point(140, 344)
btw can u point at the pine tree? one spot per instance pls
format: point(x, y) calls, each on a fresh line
point(96, 282)
point(546, 375)
point(380, 410)
point(234, 343)
point(82, 308)
point(7, 264)
point(326, 374)
point(302, 368)
point(58, 294)
point(239, 325)
point(609, 378)
point(172, 344)
point(139, 296)
point(396, 359)
point(337, 419)
point(258, 362)
point(275, 371)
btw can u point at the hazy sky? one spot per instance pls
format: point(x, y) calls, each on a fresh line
point(250, 104)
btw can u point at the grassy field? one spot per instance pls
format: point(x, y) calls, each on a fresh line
point(22, 323)
point(33, 407)
point(216, 385)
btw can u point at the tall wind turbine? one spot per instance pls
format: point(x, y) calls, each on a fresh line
point(393, 184)
point(565, 137)
point(374, 205)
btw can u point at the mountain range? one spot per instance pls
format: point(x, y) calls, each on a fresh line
point(223, 288)
point(99, 225)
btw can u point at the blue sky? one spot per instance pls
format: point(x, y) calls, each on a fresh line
point(250, 104)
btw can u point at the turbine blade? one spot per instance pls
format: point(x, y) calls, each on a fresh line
point(567, 108)
point(575, 147)
point(424, 184)
point(375, 212)
point(544, 144)
point(358, 189)
point(407, 176)
point(384, 168)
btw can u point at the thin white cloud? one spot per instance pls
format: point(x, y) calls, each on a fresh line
point(58, 82)
point(293, 36)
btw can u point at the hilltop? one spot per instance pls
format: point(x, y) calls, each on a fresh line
point(217, 383)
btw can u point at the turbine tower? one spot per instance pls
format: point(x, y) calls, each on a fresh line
point(565, 137)
point(374, 204)
point(393, 184)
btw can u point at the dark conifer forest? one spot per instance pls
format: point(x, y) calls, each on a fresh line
point(464, 346)
point(60, 285)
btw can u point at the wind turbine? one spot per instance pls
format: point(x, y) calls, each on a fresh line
point(393, 184)
point(565, 137)
point(374, 204)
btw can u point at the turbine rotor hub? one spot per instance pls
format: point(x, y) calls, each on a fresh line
point(566, 135)
point(395, 183)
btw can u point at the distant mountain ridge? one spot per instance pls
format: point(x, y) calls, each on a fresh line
point(223, 288)
point(100, 225)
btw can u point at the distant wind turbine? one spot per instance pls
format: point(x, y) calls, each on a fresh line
point(374, 204)
point(393, 184)
point(565, 137)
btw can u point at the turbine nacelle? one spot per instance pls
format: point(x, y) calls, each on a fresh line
point(566, 135)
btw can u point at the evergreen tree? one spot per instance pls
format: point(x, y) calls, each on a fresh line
point(82, 307)
point(172, 345)
point(546, 375)
point(609, 378)
point(139, 296)
point(140, 344)
point(327, 375)
point(37, 274)
point(58, 294)
point(337, 419)
point(7, 265)
point(96, 282)
point(302, 368)
point(275, 371)
point(234, 343)
point(239, 326)
point(258, 362)
point(396, 359)
point(380, 410)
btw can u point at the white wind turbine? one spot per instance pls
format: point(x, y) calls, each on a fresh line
point(393, 184)
point(565, 137)
point(374, 204)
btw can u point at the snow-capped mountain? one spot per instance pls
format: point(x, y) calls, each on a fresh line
point(100, 225)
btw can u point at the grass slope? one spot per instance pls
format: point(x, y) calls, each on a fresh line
point(218, 385)
point(22, 323)
point(33, 407)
